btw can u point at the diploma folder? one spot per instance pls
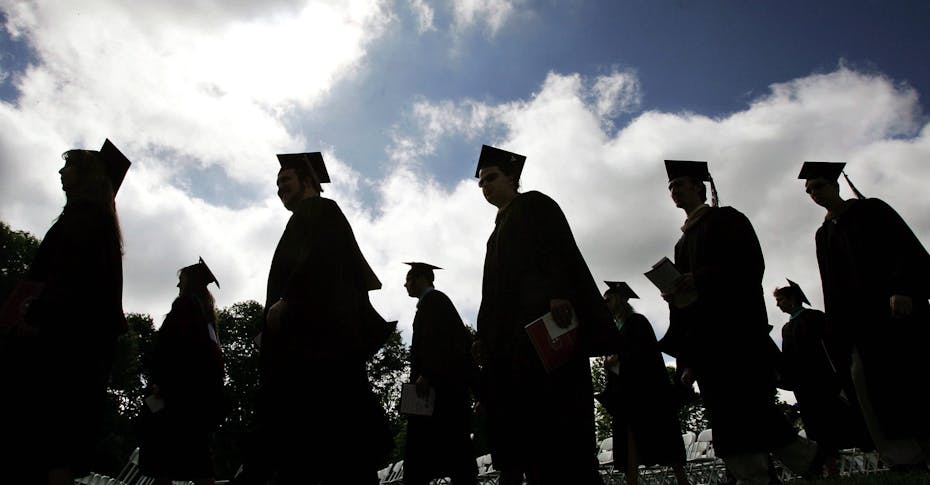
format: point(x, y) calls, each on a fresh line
point(554, 345)
point(664, 274)
point(14, 309)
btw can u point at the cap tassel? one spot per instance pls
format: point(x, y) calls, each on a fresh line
point(853, 187)
point(714, 201)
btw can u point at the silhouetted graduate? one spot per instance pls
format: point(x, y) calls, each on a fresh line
point(440, 360)
point(722, 339)
point(874, 272)
point(186, 388)
point(320, 329)
point(539, 423)
point(64, 348)
point(645, 417)
point(819, 378)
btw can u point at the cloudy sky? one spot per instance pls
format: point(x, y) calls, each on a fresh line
point(399, 96)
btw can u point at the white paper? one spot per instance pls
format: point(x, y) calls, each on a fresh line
point(664, 274)
point(553, 328)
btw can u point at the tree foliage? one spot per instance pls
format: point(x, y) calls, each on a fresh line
point(388, 370)
point(602, 419)
point(17, 250)
point(125, 392)
point(237, 327)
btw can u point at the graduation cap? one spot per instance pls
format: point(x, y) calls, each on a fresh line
point(115, 163)
point(312, 160)
point(827, 170)
point(200, 274)
point(495, 157)
point(621, 289)
point(688, 168)
point(422, 269)
point(797, 289)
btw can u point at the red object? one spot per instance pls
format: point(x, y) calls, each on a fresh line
point(554, 352)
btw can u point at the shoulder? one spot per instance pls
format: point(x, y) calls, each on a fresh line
point(535, 198)
point(538, 206)
point(436, 298)
point(728, 212)
point(811, 314)
point(876, 206)
point(639, 320)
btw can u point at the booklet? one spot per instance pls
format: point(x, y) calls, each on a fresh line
point(410, 403)
point(554, 345)
point(664, 274)
point(18, 302)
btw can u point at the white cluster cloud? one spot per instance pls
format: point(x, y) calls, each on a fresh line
point(424, 14)
point(211, 82)
point(492, 13)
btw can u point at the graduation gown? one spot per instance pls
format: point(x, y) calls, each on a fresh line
point(537, 419)
point(187, 366)
point(866, 254)
point(315, 401)
point(60, 376)
point(817, 379)
point(724, 336)
point(643, 398)
point(440, 445)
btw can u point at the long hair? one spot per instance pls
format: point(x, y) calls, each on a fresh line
point(202, 296)
point(94, 185)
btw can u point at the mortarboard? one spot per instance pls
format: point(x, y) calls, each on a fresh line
point(117, 164)
point(114, 162)
point(682, 168)
point(422, 268)
point(794, 286)
point(314, 160)
point(495, 157)
point(829, 171)
point(621, 289)
point(698, 170)
point(200, 274)
point(816, 170)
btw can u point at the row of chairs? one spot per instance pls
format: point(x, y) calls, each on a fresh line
point(129, 475)
point(702, 465)
point(394, 473)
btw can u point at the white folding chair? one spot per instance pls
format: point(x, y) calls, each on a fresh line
point(702, 461)
point(131, 469)
point(605, 461)
point(487, 475)
point(384, 473)
point(397, 473)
